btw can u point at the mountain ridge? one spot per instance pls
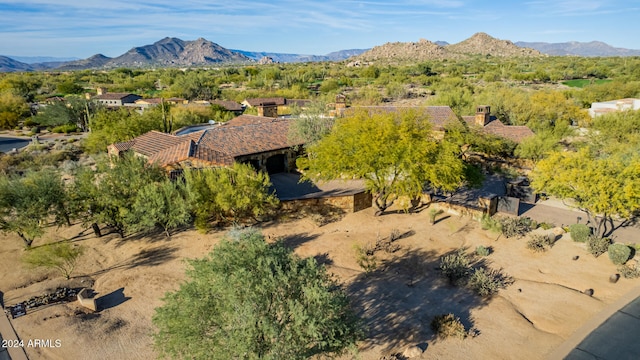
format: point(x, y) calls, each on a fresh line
point(576, 48)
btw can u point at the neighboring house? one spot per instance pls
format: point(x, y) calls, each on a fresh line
point(259, 141)
point(271, 107)
point(491, 125)
point(439, 116)
point(117, 99)
point(606, 107)
point(143, 104)
point(232, 106)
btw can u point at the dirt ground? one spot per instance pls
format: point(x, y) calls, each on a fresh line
point(535, 314)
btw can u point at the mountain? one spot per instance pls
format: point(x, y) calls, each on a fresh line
point(94, 62)
point(8, 64)
point(483, 44)
point(593, 48)
point(478, 44)
point(42, 59)
point(294, 58)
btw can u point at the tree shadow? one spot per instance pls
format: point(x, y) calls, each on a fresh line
point(296, 240)
point(323, 259)
point(146, 257)
point(1, 300)
point(442, 218)
point(399, 299)
point(111, 300)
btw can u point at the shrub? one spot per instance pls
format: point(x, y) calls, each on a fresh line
point(579, 232)
point(433, 213)
point(597, 245)
point(482, 251)
point(456, 266)
point(619, 253)
point(365, 257)
point(629, 272)
point(545, 226)
point(540, 243)
point(448, 325)
point(61, 256)
point(519, 226)
point(67, 128)
point(489, 223)
point(486, 282)
point(29, 122)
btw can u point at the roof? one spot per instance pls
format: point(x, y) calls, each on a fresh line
point(218, 145)
point(154, 101)
point(297, 102)
point(439, 116)
point(498, 128)
point(115, 96)
point(265, 101)
point(227, 105)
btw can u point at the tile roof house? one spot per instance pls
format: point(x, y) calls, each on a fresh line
point(439, 116)
point(261, 142)
point(491, 125)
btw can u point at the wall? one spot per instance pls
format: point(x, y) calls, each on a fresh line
point(346, 203)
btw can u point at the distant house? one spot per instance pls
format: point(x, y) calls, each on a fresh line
point(259, 141)
point(491, 125)
point(607, 107)
point(117, 99)
point(143, 104)
point(231, 106)
point(271, 107)
point(439, 116)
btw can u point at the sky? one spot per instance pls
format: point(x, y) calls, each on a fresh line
point(82, 28)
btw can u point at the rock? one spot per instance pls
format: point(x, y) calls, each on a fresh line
point(412, 352)
point(588, 292)
point(575, 257)
point(614, 278)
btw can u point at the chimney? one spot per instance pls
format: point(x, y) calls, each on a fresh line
point(268, 109)
point(483, 115)
point(101, 91)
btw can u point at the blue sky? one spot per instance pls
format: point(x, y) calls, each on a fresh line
point(81, 28)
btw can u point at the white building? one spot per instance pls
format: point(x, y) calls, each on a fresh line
point(605, 107)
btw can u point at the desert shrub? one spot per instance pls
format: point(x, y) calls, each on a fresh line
point(520, 226)
point(365, 257)
point(486, 282)
point(394, 235)
point(388, 244)
point(433, 213)
point(482, 251)
point(456, 266)
point(619, 253)
point(61, 256)
point(35, 130)
point(629, 272)
point(597, 245)
point(67, 128)
point(579, 232)
point(546, 226)
point(540, 243)
point(448, 325)
point(489, 223)
point(30, 123)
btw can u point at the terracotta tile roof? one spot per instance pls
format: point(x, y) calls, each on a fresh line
point(262, 101)
point(498, 128)
point(439, 116)
point(218, 145)
point(228, 105)
point(248, 139)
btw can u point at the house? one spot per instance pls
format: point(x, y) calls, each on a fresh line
point(271, 107)
point(606, 107)
point(489, 124)
point(439, 116)
point(231, 106)
point(260, 141)
point(117, 99)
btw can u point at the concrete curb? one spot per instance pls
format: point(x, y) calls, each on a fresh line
point(9, 333)
point(579, 335)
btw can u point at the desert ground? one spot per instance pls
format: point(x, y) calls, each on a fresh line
point(542, 308)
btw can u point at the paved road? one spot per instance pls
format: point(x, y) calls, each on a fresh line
point(7, 143)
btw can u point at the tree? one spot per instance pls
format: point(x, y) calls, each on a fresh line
point(395, 153)
point(26, 203)
point(254, 300)
point(61, 256)
point(162, 204)
point(224, 194)
point(311, 124)
point(603, 186)
point(13, 108)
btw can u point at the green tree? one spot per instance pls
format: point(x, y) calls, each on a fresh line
point(254, 300)
point(311, 124)
point(228, 194)
point(27, 203)
point(62, 256)
point(395, 153)
point(13, 108)
point(161, 204)
point(603, 186)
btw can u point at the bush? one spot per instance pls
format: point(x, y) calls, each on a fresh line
point(579, 232)
point(365, 257)
point(482, 251)
point(489, 223)
point(619, 253)
point(629, 272)
point(597, 245)
point(448, 325)
point(540, 243)
point(29, 122)
point(61, 256)
point(68, 128)
point(546, 226)
point(486, 282)
point(519, 226)
point(456, 267)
